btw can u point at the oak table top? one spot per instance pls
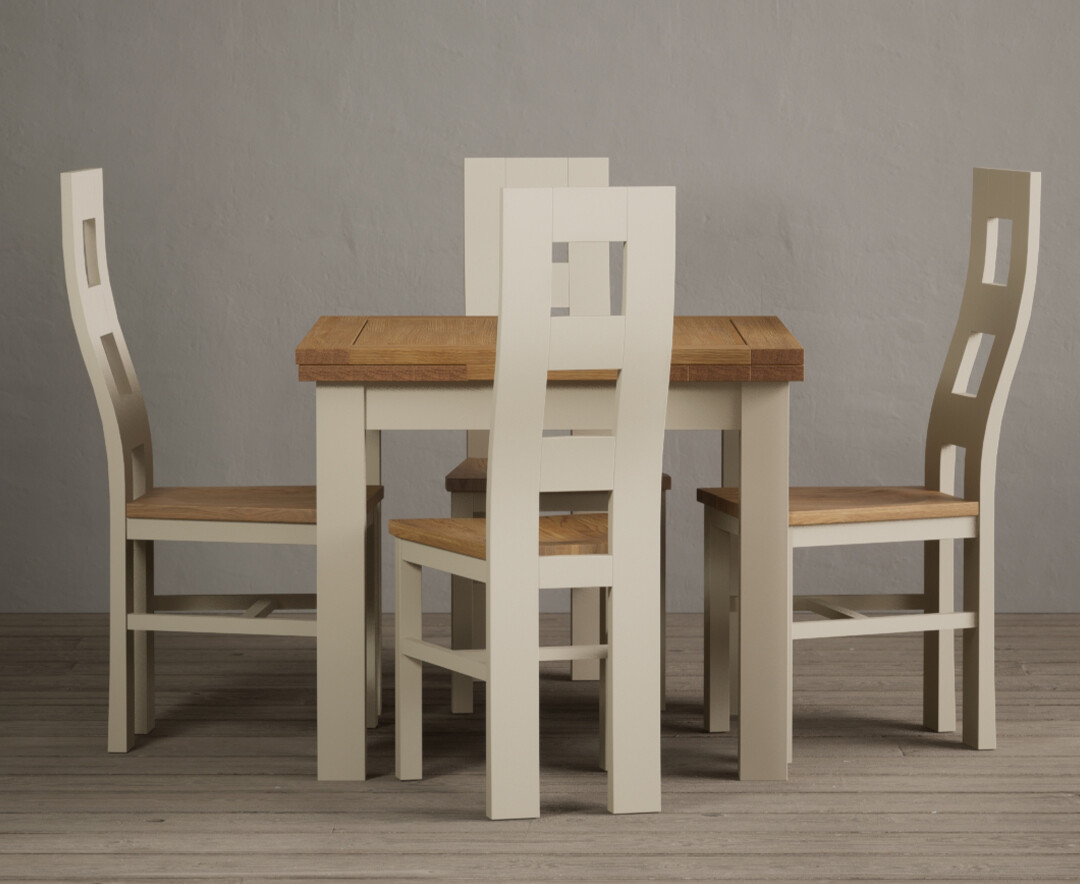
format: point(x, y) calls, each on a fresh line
point(457, 349)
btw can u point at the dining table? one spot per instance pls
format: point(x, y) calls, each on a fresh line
point(375, 373)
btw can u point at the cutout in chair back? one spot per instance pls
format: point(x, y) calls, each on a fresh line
point(998, 251)
point(973, 365)
point(634, 347)
point(116, 364)
point(580, 276)
point(90, 253)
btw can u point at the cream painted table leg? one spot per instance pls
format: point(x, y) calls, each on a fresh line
point(765, 602)
point(341, 480)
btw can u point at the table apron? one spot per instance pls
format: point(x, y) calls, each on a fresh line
point(468, 406)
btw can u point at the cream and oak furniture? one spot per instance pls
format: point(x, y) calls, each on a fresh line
point(141, 513)
point(376, 373)
point(966, 414)
point(619, 548)
point(580, 287)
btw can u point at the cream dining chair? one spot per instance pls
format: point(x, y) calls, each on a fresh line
point(966, 414)
point(581, 287)
point(141, 513)
point(617, 548)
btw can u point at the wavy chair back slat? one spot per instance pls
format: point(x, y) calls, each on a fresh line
point(968, 408)
point(101, 340)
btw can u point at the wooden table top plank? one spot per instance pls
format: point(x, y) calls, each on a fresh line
point(330, 340)
point(426, 340)
point(769, 340)
point(418, 349)
point(708, 340)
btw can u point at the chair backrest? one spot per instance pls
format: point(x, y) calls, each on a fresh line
point(580, 281)
point(636, 343)
point(104, 350)
point(968, 409)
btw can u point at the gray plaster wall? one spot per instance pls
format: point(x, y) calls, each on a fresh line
point(269, 162)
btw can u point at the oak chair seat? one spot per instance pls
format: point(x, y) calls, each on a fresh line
point(470, 477)
point(847, 505)
point(559, 535)
point(283, 504)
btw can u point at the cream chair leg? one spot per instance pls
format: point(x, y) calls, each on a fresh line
point(791, 646)
point(734, 659)
point(605, 698)
point(663, 601)
point(408, 673)
point(585, 629)
point(143, 601)
point(632, 676)
point(730, 455)
point(939, 654)
point(373, 604)
point(376, 552)
point(464, 596)
point(121, 645)
point(980, 706)
point(718, 593)
point(513, 690)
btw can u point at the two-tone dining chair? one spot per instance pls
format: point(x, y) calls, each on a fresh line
point(141, 513)
point(580, 287)
point(514, 552)
point(966, 415)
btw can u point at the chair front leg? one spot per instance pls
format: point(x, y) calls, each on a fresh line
point(939, 649)
point(466, 610)
point(142, 574)
point(408, 672)
point(720, 587)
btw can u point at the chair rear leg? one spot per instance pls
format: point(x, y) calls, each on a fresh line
point(408, 672)
point(121, 735)
point(513, 713)
point(980, 705)
point(142, 572)
point(585, 629)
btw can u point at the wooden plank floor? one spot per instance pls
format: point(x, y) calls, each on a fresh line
point(225, 789)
